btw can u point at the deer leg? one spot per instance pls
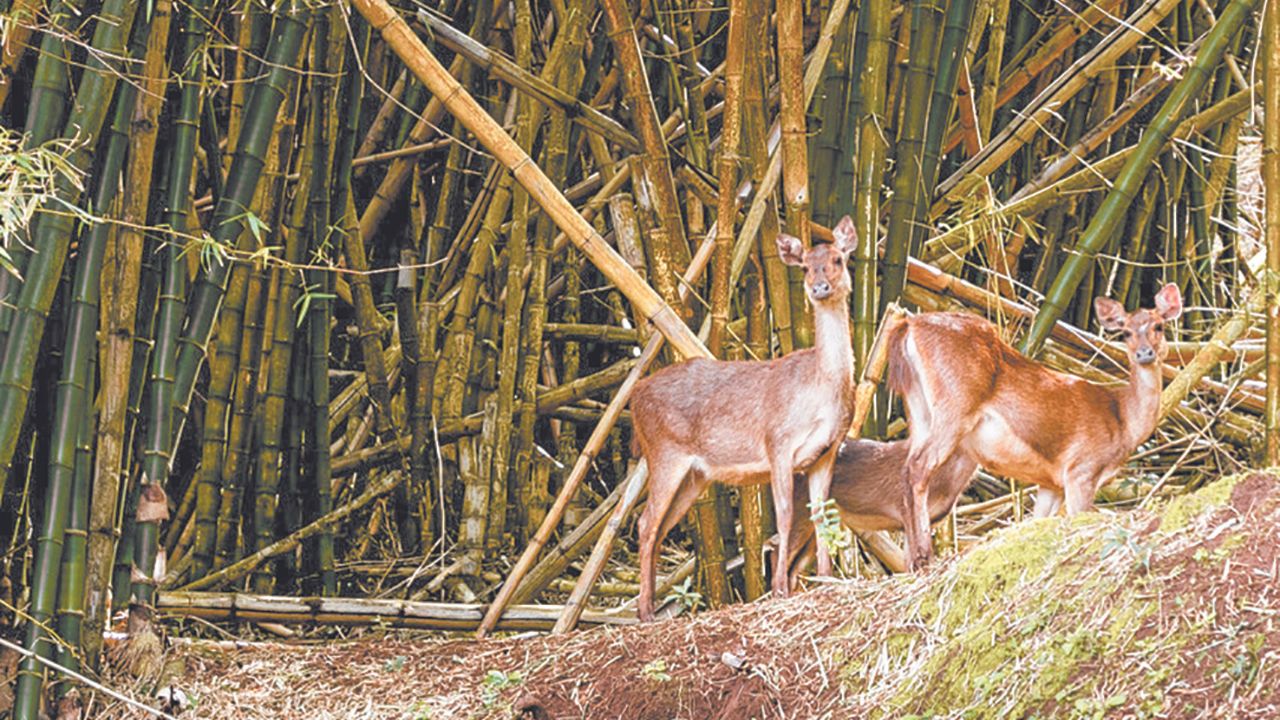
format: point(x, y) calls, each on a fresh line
point(666, 478)
point(1048, 501)
point(1079, 492)
point(783, 485)
point(923, 460)
point(803, 540)
point(819, 488)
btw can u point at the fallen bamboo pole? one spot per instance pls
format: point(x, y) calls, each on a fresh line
point(414, 614)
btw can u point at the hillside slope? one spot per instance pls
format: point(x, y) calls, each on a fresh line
point(1171, 613)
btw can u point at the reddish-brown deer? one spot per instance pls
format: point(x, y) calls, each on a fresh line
point(965, 388)
point(750, 422)
point(866, 485)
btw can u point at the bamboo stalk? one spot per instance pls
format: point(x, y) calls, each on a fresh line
point(872, 148)
point(671, 248)
point(905, 205)
point(795, 168)
point(1269, 47)
point(727, 173)
point(66, 495)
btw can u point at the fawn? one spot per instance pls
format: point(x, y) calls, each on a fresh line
point(965, 388)
point(866, 485)
point(748, 422)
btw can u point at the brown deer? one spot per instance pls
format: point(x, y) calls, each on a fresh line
point(750, 422)
point(965, 388)
point(866, 485)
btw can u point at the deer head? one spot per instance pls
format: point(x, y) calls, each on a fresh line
point(1142, 330)
point(826, 275)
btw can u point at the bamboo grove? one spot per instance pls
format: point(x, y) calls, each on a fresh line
point(346, 299)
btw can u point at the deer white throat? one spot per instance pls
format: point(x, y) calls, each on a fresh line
point(832, 338)
point(1141, 409)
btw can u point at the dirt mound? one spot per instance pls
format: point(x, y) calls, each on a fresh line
point(1172, 613)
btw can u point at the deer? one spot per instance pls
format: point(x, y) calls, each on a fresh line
point(866, 485)
point(753, 421)
point(964, 388)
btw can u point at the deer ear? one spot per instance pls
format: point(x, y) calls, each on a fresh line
point(1169, 302)
point(790, 249)
point(1111, 314)
point(846, 236)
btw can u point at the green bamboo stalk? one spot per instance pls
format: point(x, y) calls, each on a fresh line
point(955, 31)
point(1110, 215)
point(905, 211)
point(242, 179)
point(872, 149)
point(46, 109)
point(66, 492)
point(75, 545)
point(184, 140)
point(239, 431)
point(52, 235)
point(156, 452)
point(334, 140)
point(275, 397)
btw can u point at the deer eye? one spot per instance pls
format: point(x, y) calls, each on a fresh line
point(1126, 334)
point(1159, 327)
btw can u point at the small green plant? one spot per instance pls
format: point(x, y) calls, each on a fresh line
point(1097, 708)
point(495, 681)
point(395, 664)
point(685, 595)
point(1120, 539)
point(656, 670)
point(832, 533)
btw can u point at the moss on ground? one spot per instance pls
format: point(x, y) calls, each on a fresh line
point(1025, 624)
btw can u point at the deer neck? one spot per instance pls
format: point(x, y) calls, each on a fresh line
point(832, 341)
point(1140, 402)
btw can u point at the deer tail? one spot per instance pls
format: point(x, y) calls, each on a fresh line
point(901, 376)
